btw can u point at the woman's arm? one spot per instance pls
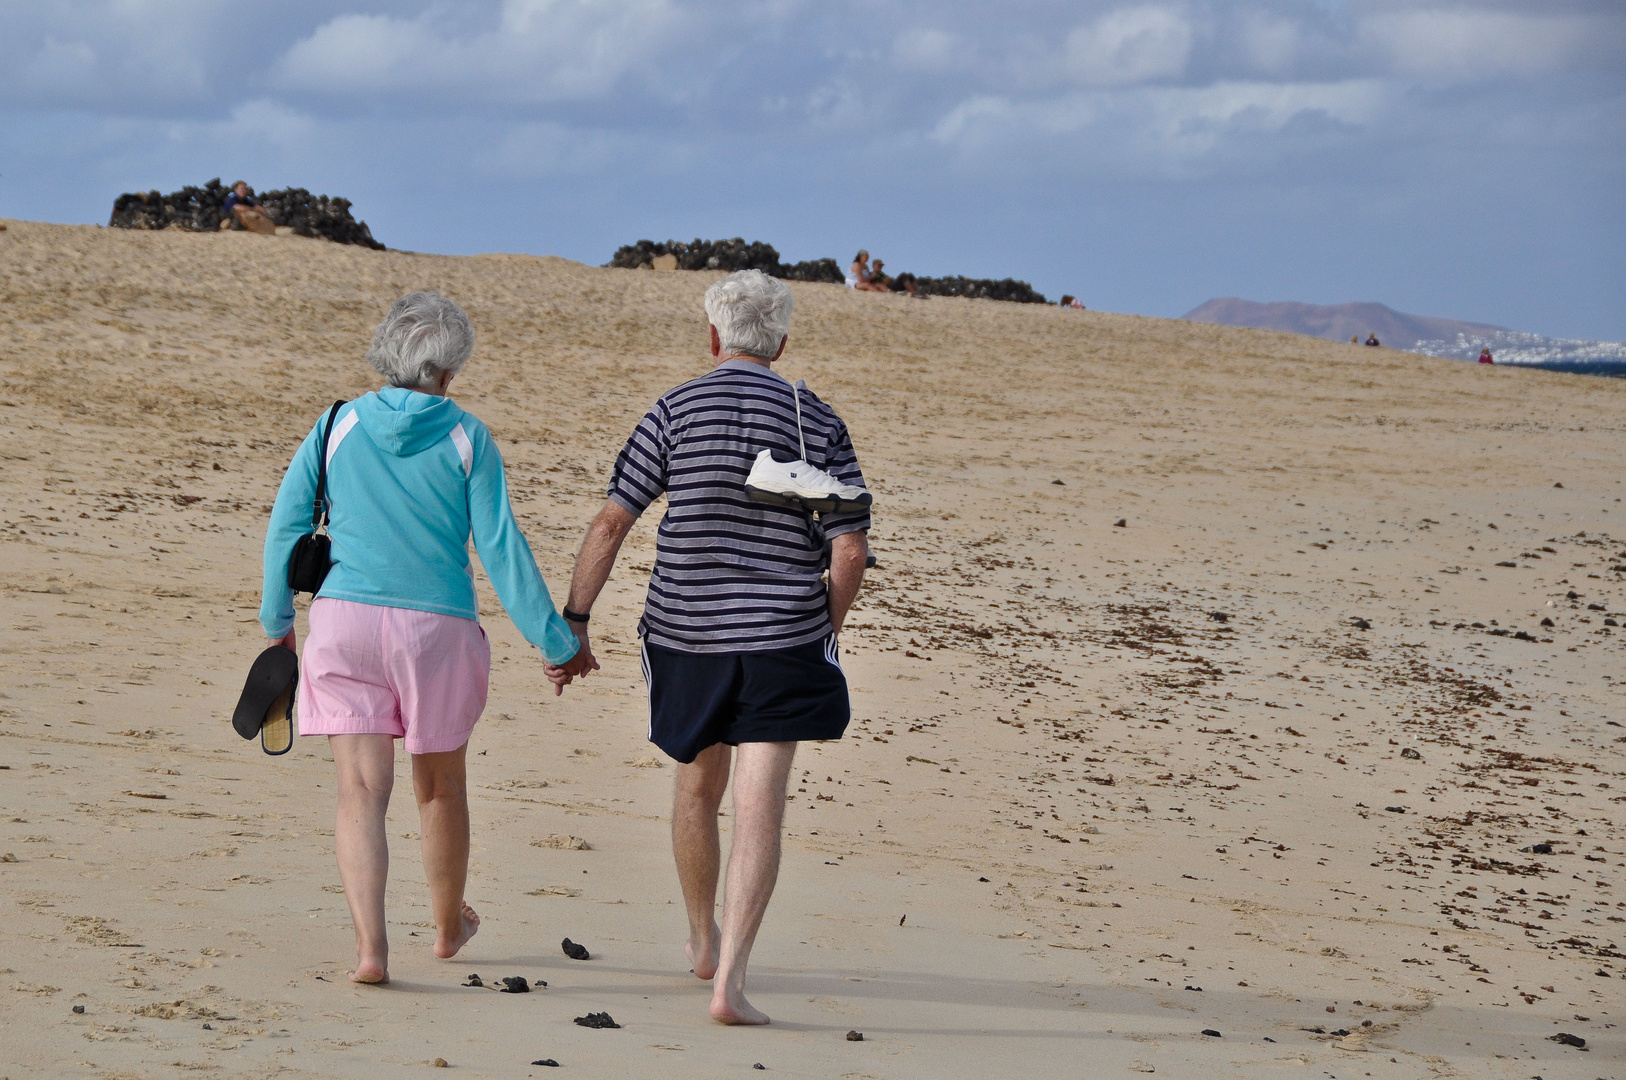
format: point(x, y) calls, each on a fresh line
point(290, 519)
point(507, 556)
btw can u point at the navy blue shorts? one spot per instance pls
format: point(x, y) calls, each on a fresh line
point(697, 700)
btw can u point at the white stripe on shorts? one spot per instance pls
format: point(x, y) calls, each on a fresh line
point(649, 690)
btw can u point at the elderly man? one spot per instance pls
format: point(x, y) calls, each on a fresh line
point(739, 628)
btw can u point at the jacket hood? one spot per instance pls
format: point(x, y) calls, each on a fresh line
point(406, 422)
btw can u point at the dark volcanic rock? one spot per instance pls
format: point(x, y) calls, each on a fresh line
point(597, 1020)
point(202, 209)
point(738, 254)
point(574, 951)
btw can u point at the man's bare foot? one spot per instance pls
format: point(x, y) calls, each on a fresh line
point(447, 947)
point(728, 1006)
point(705, 967)
point(372, 971)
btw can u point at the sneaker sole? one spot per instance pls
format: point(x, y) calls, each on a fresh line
point(823, 504)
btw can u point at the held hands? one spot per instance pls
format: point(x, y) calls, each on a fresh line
point(578, 666)
point(287, 641)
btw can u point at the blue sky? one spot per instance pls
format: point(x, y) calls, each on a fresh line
point(1464, 159)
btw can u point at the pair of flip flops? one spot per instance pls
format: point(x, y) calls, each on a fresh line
point(266, 707)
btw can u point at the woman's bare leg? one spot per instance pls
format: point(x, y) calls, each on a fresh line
point(441, 785)
point(366, 767)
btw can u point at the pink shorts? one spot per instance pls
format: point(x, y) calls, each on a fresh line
point(371, 670)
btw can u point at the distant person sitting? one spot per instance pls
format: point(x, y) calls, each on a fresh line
point(878, 277)
point(859, 275)
point(245, 209)
point(1072, 302)
point(906, 283)
point(1354, 339)
point(1372, 340)
point(1485, 356)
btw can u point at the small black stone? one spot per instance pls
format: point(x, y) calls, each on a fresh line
point(597, 1020)
point(1395, 809)
point(547, 1062)
point(1341, 1032)
point(1211, 1033)
point(1567, 1039)
point(1058, 483)
point(760, 1065)
point(79, 1009)
point(1220, 616)
point(1547, 622)
point(1539, 849)
point(208, 1027)
point(575, 951)
point(1121, 523)
point(1360, 624)
point(982, 879)
point(515, 984)
point(855, 1036)
point(474, 980)
point(1408, 752)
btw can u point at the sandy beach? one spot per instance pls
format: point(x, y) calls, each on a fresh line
point(1211, 680)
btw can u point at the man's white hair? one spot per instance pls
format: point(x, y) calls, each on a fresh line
point(423, 335)
point(751, 312)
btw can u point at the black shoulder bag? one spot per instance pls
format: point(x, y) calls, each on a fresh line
point(311, 561)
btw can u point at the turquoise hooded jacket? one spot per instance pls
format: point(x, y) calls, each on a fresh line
point(410, 477)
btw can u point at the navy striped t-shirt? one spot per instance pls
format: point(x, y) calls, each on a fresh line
point(732, 575)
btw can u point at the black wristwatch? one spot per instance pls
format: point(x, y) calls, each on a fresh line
point(574, 616)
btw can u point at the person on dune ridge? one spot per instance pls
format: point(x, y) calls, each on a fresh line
point(395, 649)
point(739, 628)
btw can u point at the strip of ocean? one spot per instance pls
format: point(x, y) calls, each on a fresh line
point(1513, 347)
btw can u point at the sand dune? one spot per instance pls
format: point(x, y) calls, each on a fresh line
point(1272, 759)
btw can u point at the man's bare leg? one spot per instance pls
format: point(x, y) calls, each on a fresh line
point(700, 787)
point(440, 783)
point(761, 776)
point(366, 766)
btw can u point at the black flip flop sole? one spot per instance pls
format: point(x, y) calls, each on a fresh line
point(827, 504)
point(268, 695)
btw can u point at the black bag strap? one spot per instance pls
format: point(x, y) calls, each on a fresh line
point(319, 508)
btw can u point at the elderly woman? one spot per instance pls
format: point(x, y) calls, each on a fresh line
point(395, 649)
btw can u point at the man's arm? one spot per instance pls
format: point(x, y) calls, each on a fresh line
point(599, 548)
point(847, 554)
point(593, 563)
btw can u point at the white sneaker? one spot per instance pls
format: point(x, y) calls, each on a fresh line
point(796, 483)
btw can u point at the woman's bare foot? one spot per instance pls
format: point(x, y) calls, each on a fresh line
point(372, 970)
point(705, 967)
point(732, 1008)
point(447, 947)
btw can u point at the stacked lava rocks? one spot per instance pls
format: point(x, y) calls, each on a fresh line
point(725, 255)
point(736, 254)
point(1018, 292)
point(202, 209)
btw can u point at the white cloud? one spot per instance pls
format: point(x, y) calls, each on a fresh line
point(929, 50)
point(1464, 44)
point(1151, 129)
point(540, 50)
point(1128, 46)
point(80, 53)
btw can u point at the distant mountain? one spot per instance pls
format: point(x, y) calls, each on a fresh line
point(1417, 333)
point(1336, 321)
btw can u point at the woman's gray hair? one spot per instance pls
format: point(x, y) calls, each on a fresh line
point(751, 312)
point(423, 335)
